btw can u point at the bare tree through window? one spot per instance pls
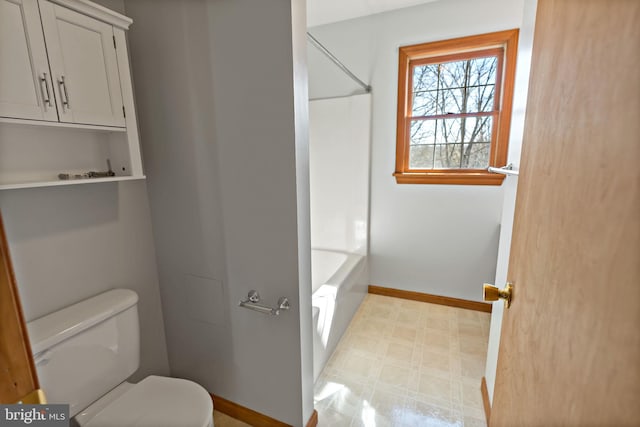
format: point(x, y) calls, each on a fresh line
point(452, 113)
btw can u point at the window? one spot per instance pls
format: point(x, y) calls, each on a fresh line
point(454, 109)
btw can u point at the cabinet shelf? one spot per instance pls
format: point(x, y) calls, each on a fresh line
point(61, 125)
point(36, 184)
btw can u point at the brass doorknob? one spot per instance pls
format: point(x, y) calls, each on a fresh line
point(492, 293)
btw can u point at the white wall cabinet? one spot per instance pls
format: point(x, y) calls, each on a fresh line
point(77, 75)
point(82, 56)
point(66, 98)
point(26, 89)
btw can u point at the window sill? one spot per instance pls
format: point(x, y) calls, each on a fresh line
point(450, 178)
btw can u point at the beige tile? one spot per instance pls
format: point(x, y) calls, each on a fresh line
point(356, 365)
point(223, 420)
point(473, 412)
point(420, 413)
point(370, 417)
point(381, 300)
point(388, 406)
point(436, 340)
point(406, 363)
point(472, 367)
point(406, 334)
point(374, 312)
point(375, 327)
point(474, 422)
point(344, 399)
point(432, 386)
point(437, 323)
point(407, 304)
point(394, 375)
point(413, 386)
point(468, 329)
point(473, 346)
point(408, 316)
point(338, 358)
point(442, 311)
point(399, 353)
point(436, 361)
point(371, 346)
point(467, 314)
point(471, 396)
point(330, 418)
point(329, 386)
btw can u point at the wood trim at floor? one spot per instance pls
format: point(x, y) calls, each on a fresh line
point(485, 399)
point(313, 421)
point(251, 417)
point(433, 299)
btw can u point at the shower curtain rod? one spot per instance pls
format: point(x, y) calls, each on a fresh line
point(336, 61)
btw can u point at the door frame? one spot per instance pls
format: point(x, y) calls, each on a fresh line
point(18, 376)
point(523, 68)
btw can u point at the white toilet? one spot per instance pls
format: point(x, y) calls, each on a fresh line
point(85, 352)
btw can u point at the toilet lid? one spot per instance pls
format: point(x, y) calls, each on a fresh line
point(158, 402)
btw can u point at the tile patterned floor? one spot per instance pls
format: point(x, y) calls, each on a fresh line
point(222, 420)
point(406, 363)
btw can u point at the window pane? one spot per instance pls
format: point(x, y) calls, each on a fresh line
point(421, 157)
point(424, 103)
point(477, 129)
point(447, 156)
point(452, 74)
point(476, 156)
point(480, 98)
point(425, 77)
point(451, 101)
point(448, 131)
point(483, 71)
point(455, 87)
point(453, 149)
point(422, 132)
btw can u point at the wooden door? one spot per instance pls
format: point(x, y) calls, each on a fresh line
point(570, 345)
point(82, 54)
point(18, 377)
point(26, 90)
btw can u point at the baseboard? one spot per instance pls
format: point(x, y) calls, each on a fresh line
point(433, 299)
point(485, 399)
point(251, 417)
point(313, 420)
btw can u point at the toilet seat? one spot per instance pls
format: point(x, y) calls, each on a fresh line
point(158, 402)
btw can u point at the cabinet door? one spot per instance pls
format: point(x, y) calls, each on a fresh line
point(26, 90)
point(83, 61)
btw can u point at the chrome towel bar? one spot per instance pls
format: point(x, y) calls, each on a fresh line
point(253, 300)
point(505, 170)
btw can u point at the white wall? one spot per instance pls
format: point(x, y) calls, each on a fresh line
point(326, 80)
point(339, 165)
point(221, 91)
point(429, 238)
point(525, 46)
point(70, 243)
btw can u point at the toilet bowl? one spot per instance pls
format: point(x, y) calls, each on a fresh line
point(85, 352)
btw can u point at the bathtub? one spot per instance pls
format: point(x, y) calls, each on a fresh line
point(339, 281)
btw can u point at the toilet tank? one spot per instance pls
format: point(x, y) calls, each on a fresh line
point(85, 350)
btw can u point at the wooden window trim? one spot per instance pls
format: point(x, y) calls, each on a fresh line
point(447, 50)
